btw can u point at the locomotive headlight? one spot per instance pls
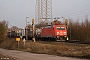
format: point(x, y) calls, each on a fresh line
point(57, 33)
point(64, 32)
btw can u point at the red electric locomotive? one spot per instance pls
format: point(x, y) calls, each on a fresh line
point(56, 32)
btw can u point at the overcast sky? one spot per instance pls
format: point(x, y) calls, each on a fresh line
point(16, 11)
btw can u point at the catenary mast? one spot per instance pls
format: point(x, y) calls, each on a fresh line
point(43, 11)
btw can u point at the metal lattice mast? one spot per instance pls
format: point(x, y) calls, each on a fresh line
point(43, 10)
point(38, 11)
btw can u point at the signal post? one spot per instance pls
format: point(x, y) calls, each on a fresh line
point(66, 23)
point(33, 30)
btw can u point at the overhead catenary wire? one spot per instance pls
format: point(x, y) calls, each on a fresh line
point(73, 12)
point(5, 1)
point(82, 16)
point(75, 9)
point(77, 14)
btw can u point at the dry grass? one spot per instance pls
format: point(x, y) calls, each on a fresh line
point(59, 48)
point(54, 48)
point(8, 44)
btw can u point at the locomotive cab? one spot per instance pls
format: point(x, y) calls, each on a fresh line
point(60, 32)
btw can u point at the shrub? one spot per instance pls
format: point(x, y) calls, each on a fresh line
point(79, 30)
point(3, 30)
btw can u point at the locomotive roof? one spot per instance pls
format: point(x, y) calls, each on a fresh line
point(49, 26)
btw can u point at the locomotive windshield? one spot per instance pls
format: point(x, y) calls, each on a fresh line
point(60, 28)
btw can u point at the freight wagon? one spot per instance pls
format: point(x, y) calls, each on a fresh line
point(20, 33)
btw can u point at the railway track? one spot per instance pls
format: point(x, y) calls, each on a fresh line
point(63, 41)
